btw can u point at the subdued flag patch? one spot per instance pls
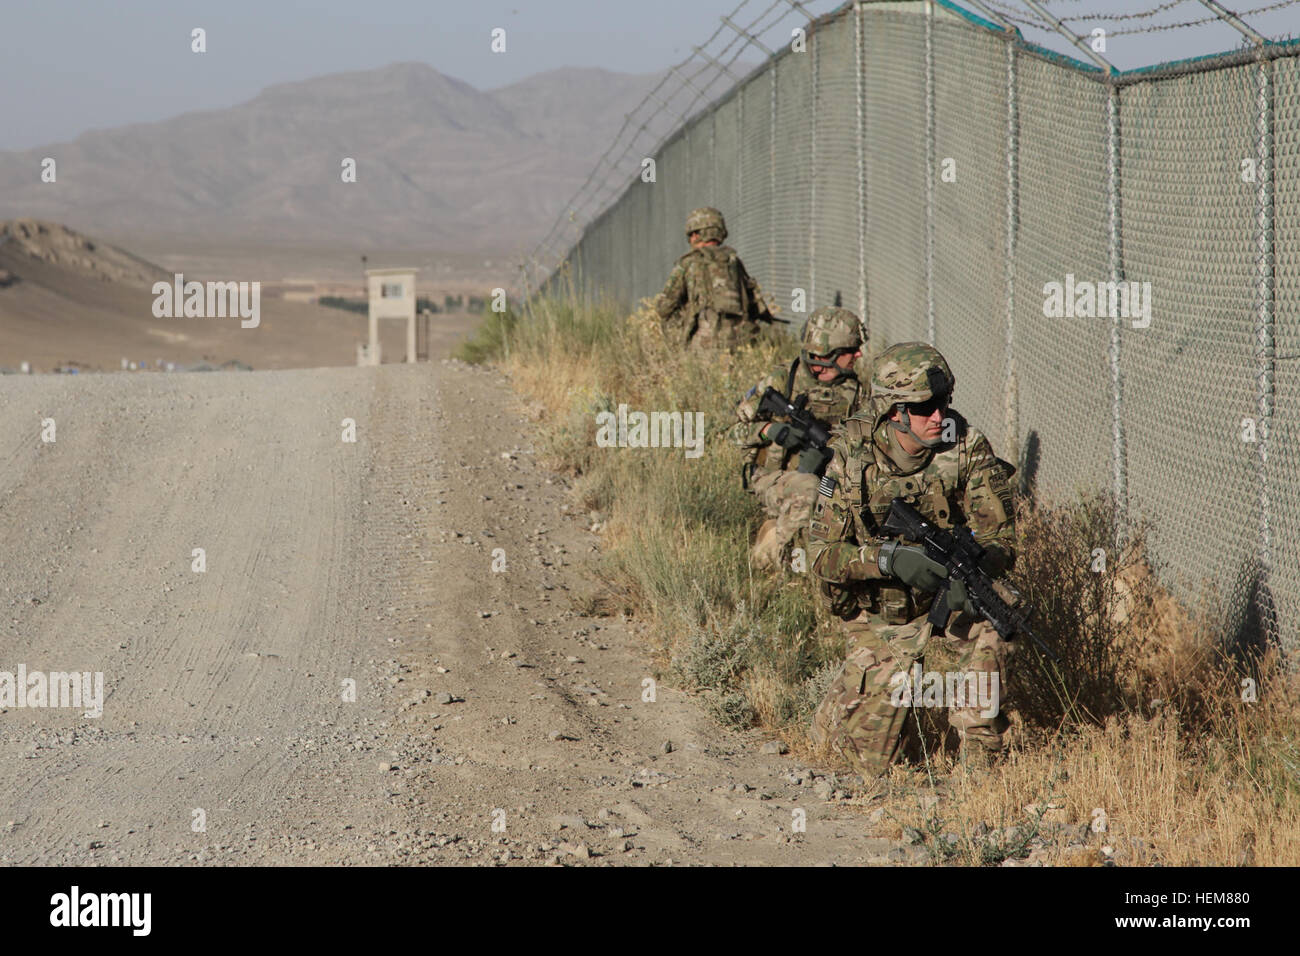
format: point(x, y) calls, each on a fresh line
point(827, 487)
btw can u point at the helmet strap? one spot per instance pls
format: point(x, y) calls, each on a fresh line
point(906, 428)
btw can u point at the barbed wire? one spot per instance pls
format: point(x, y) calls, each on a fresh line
point(688, 112)
point(1212, 17)
point(692, 85)
point(1018, 15)
point(1140, 15)
point(1201, 22)
point(697, 85)
point(583, 190)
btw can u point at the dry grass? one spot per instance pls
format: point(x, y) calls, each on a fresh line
point(1145, 721)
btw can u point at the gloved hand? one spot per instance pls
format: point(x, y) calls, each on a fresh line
point(908, 563)
point(812, 460)
point(958, 599)
point(787, 436)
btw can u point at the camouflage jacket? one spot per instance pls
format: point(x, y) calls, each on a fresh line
point(831, 402)
point(962, 482)
point(708, 289)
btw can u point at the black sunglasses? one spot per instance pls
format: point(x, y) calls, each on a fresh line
point(830, 357)
point(927, 408)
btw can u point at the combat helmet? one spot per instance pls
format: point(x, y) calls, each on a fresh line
point(708, 222)
point(829, 332)
point(906, 373)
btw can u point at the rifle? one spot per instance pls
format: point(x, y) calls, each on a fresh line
point(960, 553)
point(814, 454)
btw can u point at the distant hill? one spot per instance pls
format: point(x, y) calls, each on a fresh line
point(439, 163)
point(69, 300)
point(57, 245)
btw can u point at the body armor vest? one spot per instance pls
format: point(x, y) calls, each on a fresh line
point(934, 489)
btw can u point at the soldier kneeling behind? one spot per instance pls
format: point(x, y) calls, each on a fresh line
point(781, 469)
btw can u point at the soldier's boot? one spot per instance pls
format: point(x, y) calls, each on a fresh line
point(767, 550)
point(983, 740)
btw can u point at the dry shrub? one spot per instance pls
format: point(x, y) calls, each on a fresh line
point(1145, 718)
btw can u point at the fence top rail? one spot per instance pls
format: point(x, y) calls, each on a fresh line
point(1269, 49)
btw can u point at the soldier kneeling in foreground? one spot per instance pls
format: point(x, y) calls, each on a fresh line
point(908, 443)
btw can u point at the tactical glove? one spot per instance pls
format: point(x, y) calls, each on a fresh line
point(909, 564)
point(813, 460)
point(958, 599)
point(787, 436)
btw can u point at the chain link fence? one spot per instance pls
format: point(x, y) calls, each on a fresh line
point(938, 173)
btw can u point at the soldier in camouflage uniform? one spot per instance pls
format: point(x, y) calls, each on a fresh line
point(710, 301)
point(907, 443)
point(785, 485)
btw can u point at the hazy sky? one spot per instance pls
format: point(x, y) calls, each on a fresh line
point(71, 65)
point(67, 66)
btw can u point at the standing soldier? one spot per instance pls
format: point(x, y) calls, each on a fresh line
point(907, 443)
point(710, 300)
point(780, 468)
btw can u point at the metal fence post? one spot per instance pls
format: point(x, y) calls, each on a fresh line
point(690, 160)
point(1011, 410)
point(713, 156)
point(863, 319)
point(929, 172)
point(1265, 323)
point(812, 191)
point(1115, 255)
point(740, 144)
point(771, 177)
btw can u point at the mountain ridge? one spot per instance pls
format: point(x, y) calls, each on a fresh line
point(439, 163)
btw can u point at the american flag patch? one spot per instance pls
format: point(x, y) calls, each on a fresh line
point(827, 487)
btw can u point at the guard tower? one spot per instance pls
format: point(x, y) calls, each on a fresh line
point(392, 296)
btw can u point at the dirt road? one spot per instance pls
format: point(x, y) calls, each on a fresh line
point(491, 722)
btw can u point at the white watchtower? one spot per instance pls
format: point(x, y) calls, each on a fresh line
point(392, 296)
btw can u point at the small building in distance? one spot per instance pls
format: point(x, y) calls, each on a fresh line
point(392, 296)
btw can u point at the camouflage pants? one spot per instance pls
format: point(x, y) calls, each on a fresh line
point(888, 669)
point(787, 498)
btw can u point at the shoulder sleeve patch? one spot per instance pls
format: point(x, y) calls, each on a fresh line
point(827, 486)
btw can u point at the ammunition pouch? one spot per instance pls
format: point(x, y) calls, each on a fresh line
point(892, 603)
point(844, 601)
